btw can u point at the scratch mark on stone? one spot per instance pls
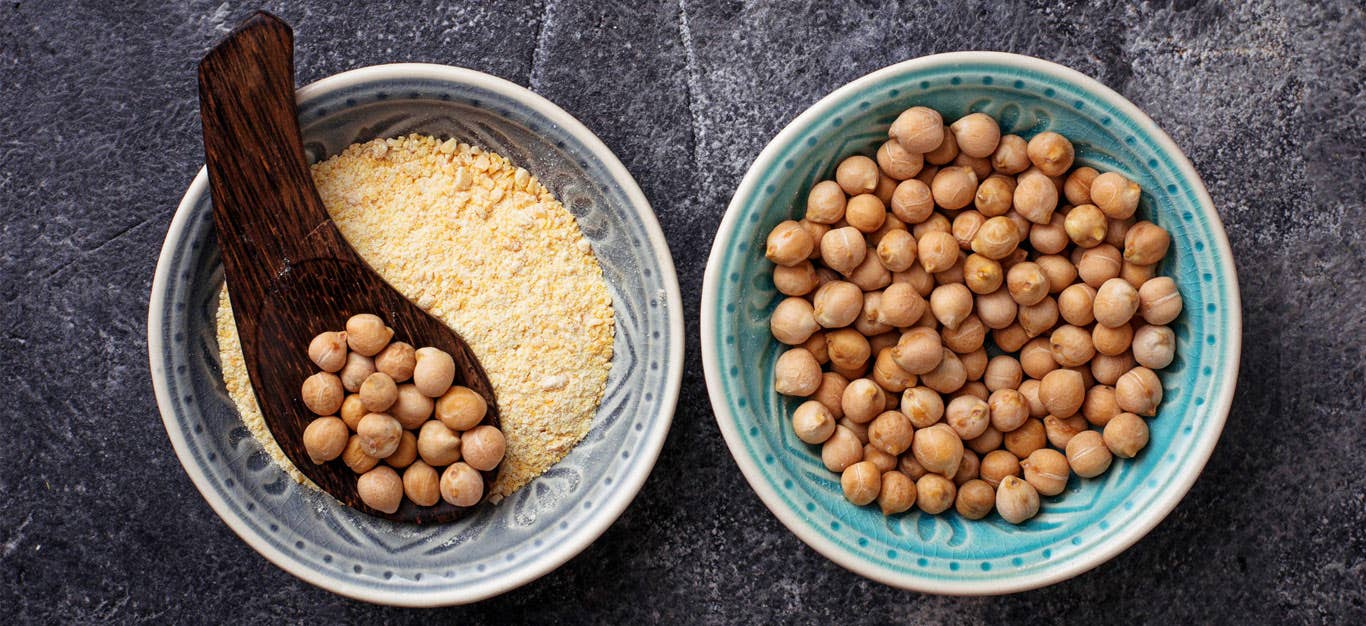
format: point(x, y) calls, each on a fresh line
point(12, 545)
point(694, 88)
point(538, 53)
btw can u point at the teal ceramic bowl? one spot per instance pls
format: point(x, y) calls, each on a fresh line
point(1094, 519)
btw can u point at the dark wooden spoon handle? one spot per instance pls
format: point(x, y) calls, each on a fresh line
point(255, 154)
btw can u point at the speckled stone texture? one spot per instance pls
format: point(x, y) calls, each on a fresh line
point(99, 136)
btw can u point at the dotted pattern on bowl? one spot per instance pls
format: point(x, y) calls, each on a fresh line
point(949, 547)
point(317, 532)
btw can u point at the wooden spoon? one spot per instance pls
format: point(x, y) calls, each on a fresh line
point(290, 273)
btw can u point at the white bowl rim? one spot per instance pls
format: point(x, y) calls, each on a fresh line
point(1145, 520)
point(620, 497)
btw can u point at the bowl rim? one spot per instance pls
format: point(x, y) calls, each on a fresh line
point(629, 485)
point(1146, 520)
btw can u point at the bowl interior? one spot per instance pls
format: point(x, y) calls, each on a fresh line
point(948, 553)
point(544, 523)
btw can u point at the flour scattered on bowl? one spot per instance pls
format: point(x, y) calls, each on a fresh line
point(481, 245)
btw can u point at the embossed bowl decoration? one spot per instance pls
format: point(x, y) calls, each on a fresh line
point(1094, 519)
point(544, 524)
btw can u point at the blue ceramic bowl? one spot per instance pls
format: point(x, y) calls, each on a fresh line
point(310, 534)
point(1093, 519)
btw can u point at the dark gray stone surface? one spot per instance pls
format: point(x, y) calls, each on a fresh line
point(99, 136)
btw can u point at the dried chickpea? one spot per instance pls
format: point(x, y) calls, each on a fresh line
point(1146, 243)
point(996, 238)
point(977, 134)
point(378, 392)
point(936, 222)
point(918, 129)
point(421, 484)
point(328, 351)
point(910, 467)
point(325, 438)
point(1035, 197)
point(1114, 235)
point(461, 485)
point(1087, 454)
point(995, 196)
point(366, 334)
point(967, 337)
point(830, 393)
point(897, 251)
point(379, 434)
point(891, 432)
point(1047, 471)
point(870, 275)
point(482, 447)
point(1159, 302)
point(1076, 304)
point(861, 482)
point(352, 410)
point(1051, 153)
point(967, 468)
point(1011, 155)
point(461, 408)
point(1099, 264)
point(812, 422)
point(860, 430)
point(944, 153)
point(356, 458)
point(406, 452)
point(841, 450)
point(1112, 341)
point(1077, 187)
point(837, 304)
point(825, 203)
point(881, 460)
point(912, 201)
point(869, 323)
point(380, 489)
point(919, 351)
point(968, 416)
point(989, 440)
point(975, 499)
point(1100, 405)
point(1011, 338)
point(817, 232)
point(898, 163)
point(1086, 225)
point(411, 408)
point(897, 494)
point(356, 370)
point(322, 393)
point(949, 376)
point(1060, 271)
point(901, 306)
point(793, 320)
point(1016, 500)
point(996, 309)
point(954, 187)
point(843, 249)
point(996, 465)
point(1059, 431)
point(795, 374)
point(397, 360)
point(789, 244)
point(795, 280)
point(888, 375)
point(1062, 392)
point(1135, 274)
point(1050, 238)
point(1030, 390)
point(856, 175)
point(979, 166)
point(974, 388)
point(954, 273)
point(1139, 391)
point(848, 348)
point(438, 445)
point(1115, 303)
point(938, 449)
point(1027, 283)
point(1009, 409)
point(1071, 347)
point(922, 406)
point(878, 343)
point(1125, 435)
point(890, 222)
point(965, 226)
point(1036, 358)
point(951, 304)
point(1154, 346)
point(1116, 195)
point(434, 372)
point(865, 212)
point(1107, 369)
point(863, 400)
point(934, 493)
point(1002, 372)
point(1037, 319)
point(1026, 439)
